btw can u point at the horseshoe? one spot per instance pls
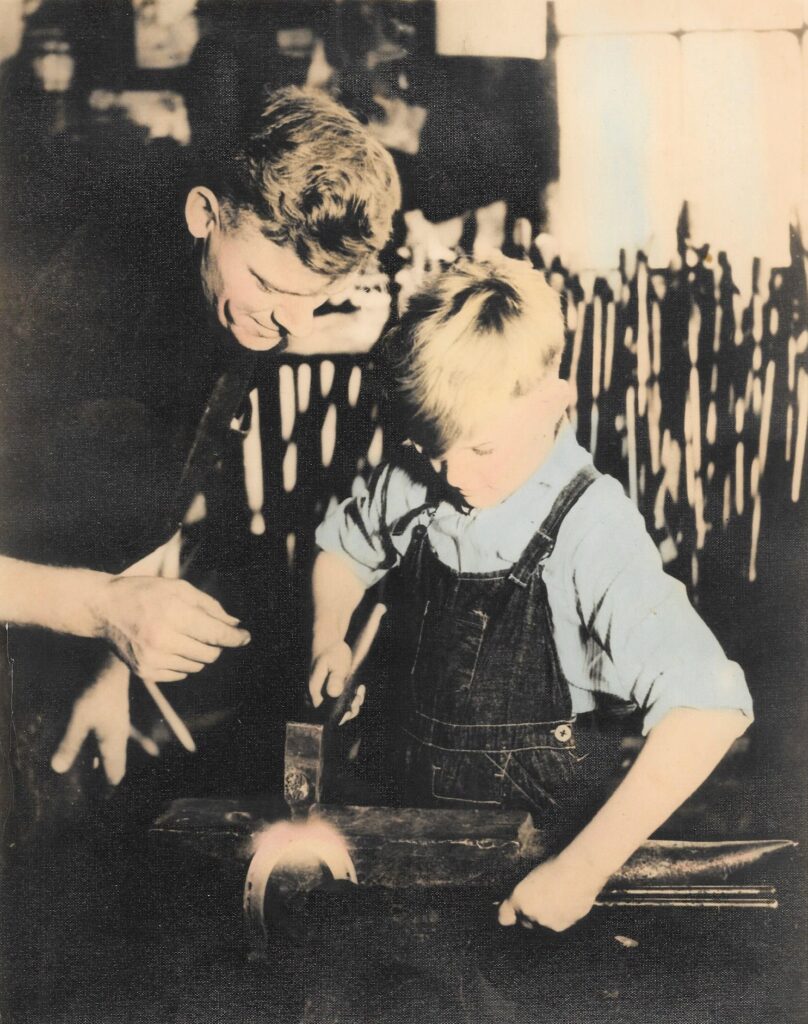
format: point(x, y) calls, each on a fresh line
point(289, 843)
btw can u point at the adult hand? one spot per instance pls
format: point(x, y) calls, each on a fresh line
point(102, 709)
point(554, 895)
point(165, 629)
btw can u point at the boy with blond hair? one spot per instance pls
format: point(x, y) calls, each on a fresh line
point(527, 593)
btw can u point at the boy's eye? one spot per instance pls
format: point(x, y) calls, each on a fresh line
point(483, 451)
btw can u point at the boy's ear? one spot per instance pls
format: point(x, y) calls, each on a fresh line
point(202, 211)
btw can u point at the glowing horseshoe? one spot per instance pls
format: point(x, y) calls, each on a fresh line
point(288, 843)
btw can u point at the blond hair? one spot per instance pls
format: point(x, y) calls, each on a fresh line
point(477, 334)
point(317, 180)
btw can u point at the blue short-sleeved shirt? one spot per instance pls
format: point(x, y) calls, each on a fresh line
point(622, 626)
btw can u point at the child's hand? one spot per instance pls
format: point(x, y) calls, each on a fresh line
point(330, 669)
point(554, 895)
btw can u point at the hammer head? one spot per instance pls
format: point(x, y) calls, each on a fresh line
point(316, 756)
point(303, 766)
point(314, 751)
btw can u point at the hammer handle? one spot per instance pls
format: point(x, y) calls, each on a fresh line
point(359, 651)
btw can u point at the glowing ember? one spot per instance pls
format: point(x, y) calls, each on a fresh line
point(298, 839)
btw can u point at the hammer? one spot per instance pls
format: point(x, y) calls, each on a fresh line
point(310, 746)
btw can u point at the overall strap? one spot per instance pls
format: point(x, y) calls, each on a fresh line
point(401, 524)
point(543, 541)
point(413, 466)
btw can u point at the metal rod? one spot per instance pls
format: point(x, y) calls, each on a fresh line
point(761, 897)
point(172, 719)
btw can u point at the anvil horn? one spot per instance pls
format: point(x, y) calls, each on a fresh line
point(664, 861)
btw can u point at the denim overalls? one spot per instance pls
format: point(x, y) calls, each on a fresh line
point(486, 713)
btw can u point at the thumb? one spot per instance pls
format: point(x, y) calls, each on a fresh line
point(339, 670)
point(72, 742)
point(336, 682)
point(507, 914)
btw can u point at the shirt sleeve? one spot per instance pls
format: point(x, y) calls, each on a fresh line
point(664, 654)
point(360, 528)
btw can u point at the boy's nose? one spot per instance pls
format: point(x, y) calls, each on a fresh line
point(455, 477)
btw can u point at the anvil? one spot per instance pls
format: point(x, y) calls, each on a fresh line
point(402, 848)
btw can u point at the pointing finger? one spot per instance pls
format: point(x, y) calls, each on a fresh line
point(507, 914)
point(208, 630)
point(112, 746)
point(72, 742)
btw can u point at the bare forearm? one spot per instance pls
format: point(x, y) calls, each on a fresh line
point(337, 593)
point(65, 600)
point(678, 756)
point(162, 628)
point(680, 753)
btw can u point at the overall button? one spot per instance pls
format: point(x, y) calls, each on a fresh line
point(563, 732)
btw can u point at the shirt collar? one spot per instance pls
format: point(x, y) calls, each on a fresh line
point(566, 458)
point(530, 505)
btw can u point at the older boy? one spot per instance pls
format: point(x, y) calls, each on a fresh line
point(528, 590)
point(111, 370)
